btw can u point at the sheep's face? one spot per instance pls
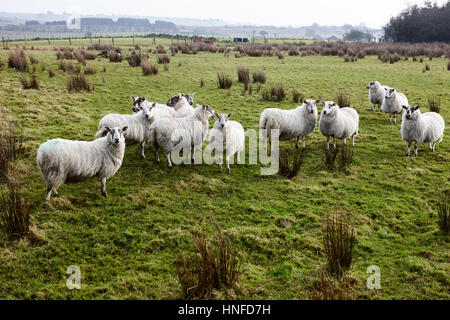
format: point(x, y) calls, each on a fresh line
point(138, 103)
point(116, 134)
point(223, 119)
point(147, 111)
point(389, 93)
point(190, 98)
point(181, 98)
point(412, 112)
point(329, 108)
point(208, 111)
point(311, 105)
point(370, 85)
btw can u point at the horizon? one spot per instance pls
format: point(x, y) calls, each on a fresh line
point(353, 12)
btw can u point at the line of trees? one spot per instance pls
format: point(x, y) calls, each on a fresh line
point(427, 23)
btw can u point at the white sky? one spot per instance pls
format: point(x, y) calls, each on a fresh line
point(261, 12)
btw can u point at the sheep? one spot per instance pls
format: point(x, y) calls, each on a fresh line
point(297, 123)
point(61, 160)
point(228, 135)
point(421, 128)
point(181, 105)
point(189, 97)
point(376, 94)
point(338, 123)
point(177, 133)
point(138, 126)
point(393, 102)
point(140, 102)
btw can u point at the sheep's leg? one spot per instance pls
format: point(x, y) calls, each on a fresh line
point(238, 160)
point(344, 142)
point(55, 191)
point(434, 147)
point(353, 140)
point(48, 194)
point(104, 187)
point(228, 164)
point(416, 153)
point(192, 154)
point(220, 163)
point(296, 145)
point(374, 108)
point(328, 143)
point(395, 118)
point(304, 142)
point(142, 149)
point(169, 163)
point(155, 151)
point(408, 152)
point(334, 142)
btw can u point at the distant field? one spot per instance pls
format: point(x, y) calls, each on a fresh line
point(126, 244)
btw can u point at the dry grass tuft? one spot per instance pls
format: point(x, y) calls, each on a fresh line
point(14, 211)
point(260, 77)
point(224, 81)
point(211, 265)
point(78, 82)
point(338, 242)
point(435, 104)
point(18, 61)
point(288, 171)
point(29, 83)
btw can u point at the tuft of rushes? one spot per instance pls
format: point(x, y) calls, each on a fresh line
point(338, 243)
point(224, 81)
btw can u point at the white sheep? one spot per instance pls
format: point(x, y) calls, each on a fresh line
point(376, 94)
point(181, 105)
point(61, 160)
point(138, 126)
point(226, 136)
point(292, 124)
point(393, 102)
point(338, 123)
point(180, 133)
point(421, 128)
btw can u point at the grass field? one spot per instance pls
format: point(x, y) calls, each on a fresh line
point(126, 244)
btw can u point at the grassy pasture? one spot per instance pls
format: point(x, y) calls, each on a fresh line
point(126, 244)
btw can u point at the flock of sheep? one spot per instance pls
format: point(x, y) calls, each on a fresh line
point(178, 125)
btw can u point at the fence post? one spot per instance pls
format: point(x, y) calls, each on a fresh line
point(70, 40)
point(112, 39)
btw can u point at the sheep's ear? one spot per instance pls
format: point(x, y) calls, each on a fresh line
point(304, 101)
point(229, 115)
point(132, 98)
point(144, 98)
point(416, 108)
point(405, 107)
point(107, 129)
point(333, 104)
point(154, 104)
point(124, 129)
point(319, 101)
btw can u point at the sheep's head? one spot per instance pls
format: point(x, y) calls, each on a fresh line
point(329, 108)
point(389, 93)
point(311, 105)
point(116, 134)
point(370, 85)
point(147, 111)
point(223, 119)
point(206, 111)
point(190, 98)
point(412, 112)
point(181, 98)
point(138, 103)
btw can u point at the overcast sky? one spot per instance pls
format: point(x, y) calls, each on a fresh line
point(261, 12)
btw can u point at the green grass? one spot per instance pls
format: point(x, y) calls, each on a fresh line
point(126, 244)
